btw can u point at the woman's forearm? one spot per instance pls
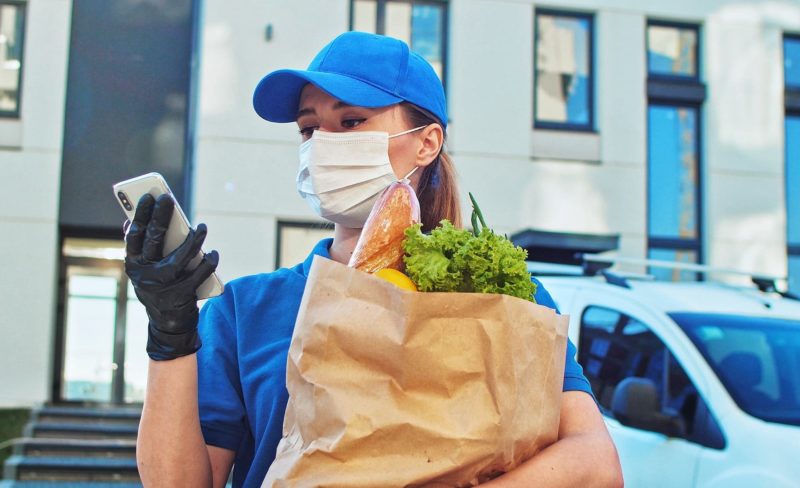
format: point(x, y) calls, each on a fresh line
point(582, 460)
point(170, 449)
point(584, 454)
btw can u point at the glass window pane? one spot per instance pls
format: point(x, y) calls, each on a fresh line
point(672, 50)
point(135, 349)
point(427, 34)
point(365, 15)
point(297, 240)
point(563, 74)
point(793, 179)
point(89, 342)
point(11, 26)
point(672, 255)
point(672, 166)
point(93, 286)
point(791, 61)
point(398, 20)
point(794, 274)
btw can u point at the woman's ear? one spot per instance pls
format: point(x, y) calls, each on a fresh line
point(432, 139)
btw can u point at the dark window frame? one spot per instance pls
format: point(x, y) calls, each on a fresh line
point(23, 8)
point(697, 77)
point(380, 25)
point(589, 127)
point(679, 92)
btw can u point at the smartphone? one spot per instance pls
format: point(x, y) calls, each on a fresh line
point(129, 192)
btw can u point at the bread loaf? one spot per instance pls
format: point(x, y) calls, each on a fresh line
point(381, 242)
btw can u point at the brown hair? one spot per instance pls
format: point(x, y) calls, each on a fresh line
point(438, 189)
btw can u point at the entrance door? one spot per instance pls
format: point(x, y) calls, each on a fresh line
point(103, 327)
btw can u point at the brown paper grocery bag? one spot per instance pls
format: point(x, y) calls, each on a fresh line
point(391, 388)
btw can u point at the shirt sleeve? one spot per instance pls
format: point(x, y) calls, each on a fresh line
point(574, 379)
point(222, 412)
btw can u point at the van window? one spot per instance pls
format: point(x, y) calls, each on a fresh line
point(756, 358)
point(614, 346)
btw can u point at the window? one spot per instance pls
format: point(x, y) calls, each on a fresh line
point(674, 121)
point(296, 239)
point(563, 93)
point(791, 54)
point(791, 61)
point(12, 26)
point(755, 358)
point(672, 50)
point(421, 24)
point(102, 327)
point(793, 199)
point(614, 346)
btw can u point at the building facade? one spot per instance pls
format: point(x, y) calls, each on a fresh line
point(673, 124)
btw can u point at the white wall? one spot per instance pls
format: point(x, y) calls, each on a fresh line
point(246, 167)
point(30, 159)
point(522, 178)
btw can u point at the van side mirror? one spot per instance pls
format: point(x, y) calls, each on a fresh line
point(635, 404)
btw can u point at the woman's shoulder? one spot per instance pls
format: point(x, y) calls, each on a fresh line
point(542, 296)
point(260, 289)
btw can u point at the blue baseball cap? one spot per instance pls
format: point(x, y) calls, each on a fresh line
point(358, 68)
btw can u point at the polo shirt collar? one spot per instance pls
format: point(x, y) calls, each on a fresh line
point(321, 249)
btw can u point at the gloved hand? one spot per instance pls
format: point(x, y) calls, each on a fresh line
point(164, 285)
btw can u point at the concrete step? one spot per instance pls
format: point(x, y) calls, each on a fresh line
point(106, 448)
point(80, 430)
point(60, 468)
point(89, 415)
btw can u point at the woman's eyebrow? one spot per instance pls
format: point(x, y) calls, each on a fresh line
point(305, 111)
point(310, 110)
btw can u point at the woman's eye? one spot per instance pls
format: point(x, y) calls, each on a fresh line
point(307, 131)
point(352, 123)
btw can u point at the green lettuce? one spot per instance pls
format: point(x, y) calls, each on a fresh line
point(457, 260)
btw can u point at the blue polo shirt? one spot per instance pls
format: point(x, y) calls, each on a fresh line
point(242, 364)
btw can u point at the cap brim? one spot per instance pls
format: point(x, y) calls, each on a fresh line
point(277, 95)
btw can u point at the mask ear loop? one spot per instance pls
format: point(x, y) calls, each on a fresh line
point(406, 179)
point(409, 131)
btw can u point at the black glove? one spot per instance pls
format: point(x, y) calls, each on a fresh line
point(164, 285)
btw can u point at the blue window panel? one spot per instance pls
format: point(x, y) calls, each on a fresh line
point(672, 51)
point(427, 34)
point(794, 274)
point(563, 70)
point(676, 256)
point(793, 179)
point(791, 61)
point(673, 172)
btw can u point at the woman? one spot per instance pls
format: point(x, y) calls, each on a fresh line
point(364, 98)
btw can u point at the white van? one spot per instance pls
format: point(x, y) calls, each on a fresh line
point(699, 382)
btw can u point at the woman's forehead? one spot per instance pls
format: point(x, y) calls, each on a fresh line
point(313, 97)
point(313, 94)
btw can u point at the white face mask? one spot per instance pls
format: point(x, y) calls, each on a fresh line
point(342, 174)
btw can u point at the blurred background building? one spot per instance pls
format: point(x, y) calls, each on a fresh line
point(675, 124)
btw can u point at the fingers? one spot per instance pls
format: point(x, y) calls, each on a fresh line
point(205, 268)
point(134, 238)
point(191, 246)
point(153, 248)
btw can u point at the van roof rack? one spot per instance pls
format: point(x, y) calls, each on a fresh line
point(765, 283)
point(560, 251)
